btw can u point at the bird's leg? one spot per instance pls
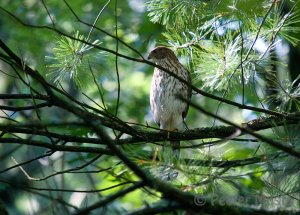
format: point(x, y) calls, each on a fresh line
point(168, 137)
point(185, 125)
point(156, 151)
point(176, 130)
point(155, 154)
point(175, 146)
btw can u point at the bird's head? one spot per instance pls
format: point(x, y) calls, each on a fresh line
point(160, 53)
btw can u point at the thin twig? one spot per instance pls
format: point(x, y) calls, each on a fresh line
point(116, 60)
point(96, 20)
point(51, 18)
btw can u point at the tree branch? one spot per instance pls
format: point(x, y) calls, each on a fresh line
point(212, 132)
point(31, 107)
point(109, 199)
point(156, 136)
point(248, 130)
point(22, 96)
point(56, 147)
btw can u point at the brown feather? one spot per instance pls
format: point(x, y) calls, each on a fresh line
point(169, 112)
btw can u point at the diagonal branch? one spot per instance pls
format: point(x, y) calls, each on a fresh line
point(109, 199)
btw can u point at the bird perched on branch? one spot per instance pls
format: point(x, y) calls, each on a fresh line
point(168, 111)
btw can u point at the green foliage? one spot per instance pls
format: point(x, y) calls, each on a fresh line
point(287, 94)
point(188, 15)
point(176, 14)
point(286, 25)
point(233, 43)
point(71, 58)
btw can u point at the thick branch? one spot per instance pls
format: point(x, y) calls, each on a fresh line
point(211, 132)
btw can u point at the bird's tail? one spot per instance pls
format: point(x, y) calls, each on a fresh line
point(175, 146)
